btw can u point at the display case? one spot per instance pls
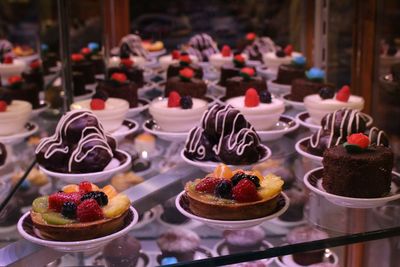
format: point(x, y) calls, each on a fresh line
point(307, 227)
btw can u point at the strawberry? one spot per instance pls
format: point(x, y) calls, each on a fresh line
point(239, 58)
point(127, 62)
point(184, 59)
point(251, 99)
point(85, 187)
point(186, 73)
point(358, 139)
point(247, 73)
point(77, 57)
point(174, 99)
point(8, 60)
point(97, 104)
point(57, 200)
point(35, 64)
point(226, 51)
point(14, 79)
point(343, 94)
point(250, 36)
point(86, 51)
point(288, 50)
point(245, 191)
point(89, 211)
point(3, 106)
point(208, 185)
point(118, 77)
point(175, 54)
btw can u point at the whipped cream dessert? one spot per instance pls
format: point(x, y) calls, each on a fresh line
point(14, 68)
point(167, 60)
point(14, 117)
point(177, 117)
point(274, 59)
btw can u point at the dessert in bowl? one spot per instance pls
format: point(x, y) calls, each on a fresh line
point(14, 114)
point(281, 57)
point(110, 111)
point(262, 111)
point(186, 83)
point(11, 67)
point(289, 72)
point(327, 101)
point(224, 57)
point(238, 85)
point(174, 58)
point(177, 113)
point(229, 194)
point(19, 89)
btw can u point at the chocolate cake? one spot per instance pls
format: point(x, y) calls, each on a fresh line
point(79, 83)
point(304, 87)
point(3, 154)
point(288, 73)
point(119, 87)
point(35, 75)
point(194, 87)
point(80, 64)
point(232, 69)
point(237, 86)
point(365, 174)
point(132, 72)
point(18, 89)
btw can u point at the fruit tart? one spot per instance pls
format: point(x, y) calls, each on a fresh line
point(80, 212)
point(233, 195)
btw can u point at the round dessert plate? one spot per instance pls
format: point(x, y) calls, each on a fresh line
point(284, 126)
point(296, 105)
point(288, 261)
point(128, 127)
point(313, 180)
point(157, 53)
point(29, 129)
point(182, 206)
point(122, 158)
point(43, 106)
point(143, 104)
point(301, 148)
point(88, 94)
point(278, 89)
point(267, 73)
point(209, 166)
point(152, 127)
point(253, 63)
point(30, 233)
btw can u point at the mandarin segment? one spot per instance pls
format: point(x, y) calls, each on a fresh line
point(70, 188)
point(223, 171)
point(110, 191)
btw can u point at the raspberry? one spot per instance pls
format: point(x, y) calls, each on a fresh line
point(174, 99)
point(358, 139)
point(68, 210)
point(85, 187)
point(343, 94)
point(226, 51)
point(245, 191)
point(224, 189)
point(89, 211)
point(118, 77)
point(288, 50)
point(251, 99)
point(3, 106)
point(186, 73)
point(248, 72)
point(99, 196)
point(77, 57)
point(97, 104)
point(86, 51)
point(57, 200)
point(175, 54)
point(186, 102)
point(208, 185)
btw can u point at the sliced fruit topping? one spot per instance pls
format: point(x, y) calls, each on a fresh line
point(186, 74)
point(68, 210)
point(85, 187)
point(247, 73)
point(110, 191)
point(226, 51)
point(97, 104)
point(288, 50)
point(326, 93)
point(119, 77)
point(223, 171)
point(224, 189)
point(70, 188)
point(208, 184)
point(56, 218)
point(251, 99)
point(41, 204)
point(77, 57)
point(99, 196)
point(265, 97)
point(271, 185)
point(175, 54)
point(89, 211)
point(343, 94)
point(242, 175)
point(127, 62)
point(245, 191)
point(116, 206)
point(174, 99)
point(57, 200)
point(186, 102)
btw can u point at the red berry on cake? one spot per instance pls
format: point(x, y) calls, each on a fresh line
point(250, 36)
point(57, 200)
point(343, 94)
point(185, 59)
point(288, 50)
point(3, 106)
point(186, 73)
point(174, 99)
point(89, 211)
point(85, 187)
point(245, 191)
point(77, 57)
point(239, 58)
point(175, 54)
point(226, 51)
point(8, 60)
point(358, 139)
point(85, 51)
point(97, 104)
point(14, 79)
point(35, 64)
point(251, 99)
point(208, 185)
point(127, 62)
point(247, 73)
point(118, 77)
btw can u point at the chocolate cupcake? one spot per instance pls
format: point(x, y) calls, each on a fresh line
point(123, 251)
point(178, 243)
point(34, 75)
point(186, 84)
point(245, 240)
point(80, 64)
point(171, 214)
point(298, 199)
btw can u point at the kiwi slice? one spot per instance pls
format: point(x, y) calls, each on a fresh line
point(55, 218)
point(41, 204)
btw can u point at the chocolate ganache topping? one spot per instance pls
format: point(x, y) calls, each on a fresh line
point(202, 46)
point(79, 145)
point(225, 136)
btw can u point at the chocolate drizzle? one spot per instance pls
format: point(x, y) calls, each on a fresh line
point(131, 44)
point(260, 46)
point(378, 137)
point(202, 46)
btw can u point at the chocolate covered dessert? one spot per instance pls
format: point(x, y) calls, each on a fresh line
point(232, 69)
point(35, 74)
point(237, 86)
point(132, 72)
point(202, 46)
point(3, 154)
point(287, 73)
point(245, 240)
point(92, 54)
point(80, 64)
point(186, 84)
point(257, 46)
point(358, 169)
point(79, 145)
point(131, 45)
point(179, 243)
point(226, 136)
point(123, 251)
point(184, 62)
point(119, 86)
point(18, 89)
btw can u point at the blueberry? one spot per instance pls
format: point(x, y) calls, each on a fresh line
point(101, 95)
point(224, 189)
point(68, 210)
point(6, 98)
point(392, 50)
point(280, 53)
point(254, 179)
point(99, 196)
point(241, 175)
point(326, 93)
point(186, 102)
point(265, 97)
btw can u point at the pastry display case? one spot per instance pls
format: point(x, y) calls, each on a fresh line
point(199, 133)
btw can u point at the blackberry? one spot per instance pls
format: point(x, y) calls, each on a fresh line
point(224, 189)
point(68, 210)
point(265, 97)
point(186, 102)
point(254, 179)
point(326, 93)
point(280, 53)
point(100, 94)
point(99, 196)
point(241, 175)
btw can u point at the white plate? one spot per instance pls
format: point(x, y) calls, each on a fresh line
point(233, 225)
point(29, 129)
point(304, 119)
point(278, 89)
point(287, 260)
point(128, 127)
point(209, 166)
point(143, 104)
point(284, 126)
point(313, 180)
point(157, 53)
point(150, 126)
point(93, 177)
point(29, 59)
point(267, 73)
point(300, 149)
point(88, 94)
point(25, 225)
point(296, 105)
point(43, 106)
